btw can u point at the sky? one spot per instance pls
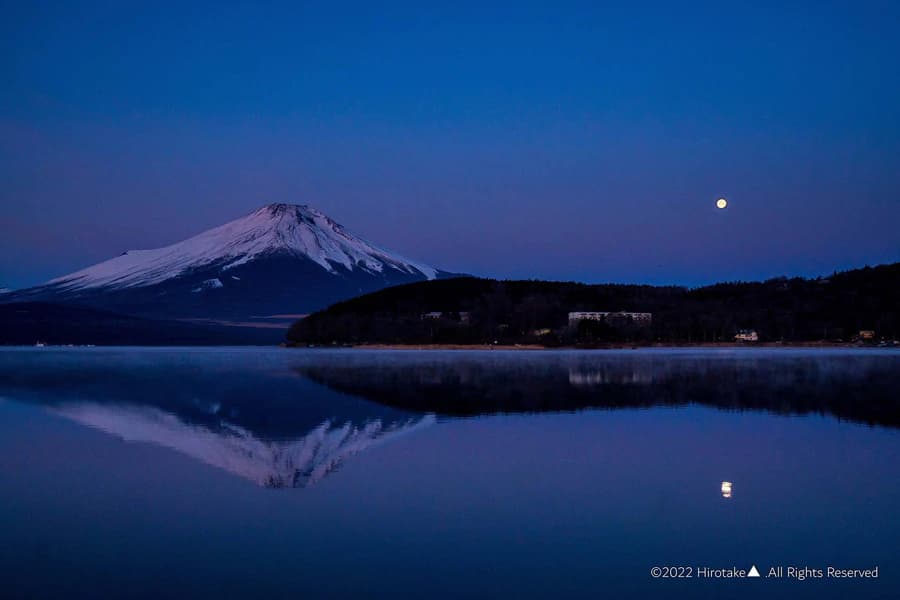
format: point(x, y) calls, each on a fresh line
point(584, 141)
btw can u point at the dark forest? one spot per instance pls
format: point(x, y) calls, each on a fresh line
point(470, 310)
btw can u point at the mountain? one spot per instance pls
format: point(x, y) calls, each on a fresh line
point(281, 259)
point(25, 323)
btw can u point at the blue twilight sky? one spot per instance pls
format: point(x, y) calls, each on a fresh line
point(554, 140)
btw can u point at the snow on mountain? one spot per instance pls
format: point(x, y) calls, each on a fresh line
point(297, 230)
point(209, 284)
point(280, 259)
point(284, 463)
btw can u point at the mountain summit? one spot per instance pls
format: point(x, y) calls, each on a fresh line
point(279, 259)
point(288, 229)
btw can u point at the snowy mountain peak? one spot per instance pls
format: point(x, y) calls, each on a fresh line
point(275, 229)
point(278, 208)
point(299, 212)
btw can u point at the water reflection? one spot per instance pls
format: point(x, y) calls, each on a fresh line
point(856, 387)
point(726, 489)
point(288, 419)
point(237, 412)
point(582, 376)
point(281, 463)
point(541, 505)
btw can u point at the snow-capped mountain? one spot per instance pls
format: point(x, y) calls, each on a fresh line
point(271, 463)
point(280, 259)
point(301, 231)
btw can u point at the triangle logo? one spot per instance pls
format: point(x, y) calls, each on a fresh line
point(754, 572)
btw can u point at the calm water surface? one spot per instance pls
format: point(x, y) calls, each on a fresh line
point(195, 473)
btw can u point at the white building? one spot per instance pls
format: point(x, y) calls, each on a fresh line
point(462, 316)
point(746, 335)
point(639, 318)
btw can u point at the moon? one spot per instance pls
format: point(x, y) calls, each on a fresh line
point(721, 203)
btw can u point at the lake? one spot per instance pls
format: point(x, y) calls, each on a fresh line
point(275, 473)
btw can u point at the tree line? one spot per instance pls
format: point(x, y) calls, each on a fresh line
point(469, 310)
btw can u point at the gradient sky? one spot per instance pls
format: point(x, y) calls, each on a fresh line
point(563, 141)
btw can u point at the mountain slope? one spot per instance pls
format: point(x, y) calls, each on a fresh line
point(280, 259)
point(25, 323)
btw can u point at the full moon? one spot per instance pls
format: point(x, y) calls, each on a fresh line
point(721, 203)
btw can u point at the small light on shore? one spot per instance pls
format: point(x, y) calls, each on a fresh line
point(721, 203)
point(726, 489)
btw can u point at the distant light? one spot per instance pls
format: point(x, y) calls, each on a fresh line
point(721, 203)
point(726, 489)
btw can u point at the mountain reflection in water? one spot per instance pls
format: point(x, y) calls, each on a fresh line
point(289, 418)
point(294, 463)
point(241, 412)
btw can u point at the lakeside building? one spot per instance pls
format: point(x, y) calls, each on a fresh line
point(461, 316)
point(638, 318)
point(746, 335)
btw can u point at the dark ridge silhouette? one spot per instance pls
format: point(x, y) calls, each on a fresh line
point(487, 311)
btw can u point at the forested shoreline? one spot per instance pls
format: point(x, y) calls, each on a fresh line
point(469, 310)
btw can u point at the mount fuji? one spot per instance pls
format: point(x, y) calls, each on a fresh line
point(282, 259)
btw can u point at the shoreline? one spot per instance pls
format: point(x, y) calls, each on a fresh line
point(538, 347)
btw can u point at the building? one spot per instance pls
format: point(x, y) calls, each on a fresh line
point(461, 316)
point(746, 335)
point(638, 318)
point(866, 334)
